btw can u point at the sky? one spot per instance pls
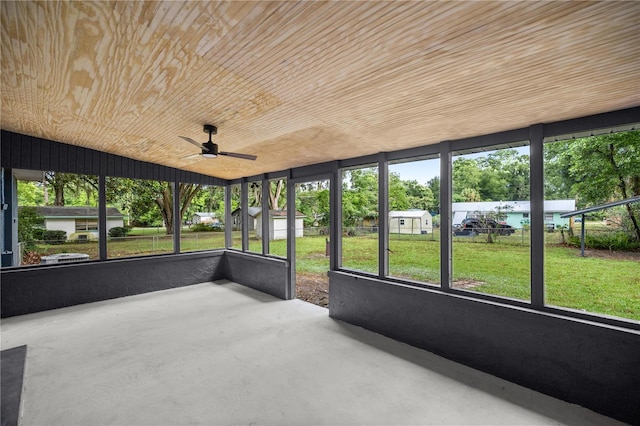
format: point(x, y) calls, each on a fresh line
point(425, 170)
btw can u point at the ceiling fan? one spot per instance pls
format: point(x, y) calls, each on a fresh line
point(210, 149)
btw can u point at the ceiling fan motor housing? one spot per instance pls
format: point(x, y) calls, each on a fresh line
point(210, 148)
point(210, 128)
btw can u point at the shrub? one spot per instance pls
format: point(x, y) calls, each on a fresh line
point(118, 232)
point(607, 241)
point(202, 227)
point(54, 237)
point(38, 233)
point(29, 224)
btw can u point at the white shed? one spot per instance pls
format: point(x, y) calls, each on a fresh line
point(278, 225)
point(410, 222)
point(204, 217)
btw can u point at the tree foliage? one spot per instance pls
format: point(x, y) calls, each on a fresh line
point(28, 223)
point(359, 196)
point(595, 170)
point(501, 175)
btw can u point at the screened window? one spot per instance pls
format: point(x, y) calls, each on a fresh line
point(202, 209)
point(236, 216)
point(57, 214)
point(255, 216)
point(278, 217)
point(584, 173)
point(146, 226)
point(414, 241)
point(491, 247)
point(360, 219)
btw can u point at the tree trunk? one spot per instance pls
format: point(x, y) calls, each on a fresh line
point(165, 203)
point(274, 197)
point(59, 192)
point(187, 191)
point(623, 189)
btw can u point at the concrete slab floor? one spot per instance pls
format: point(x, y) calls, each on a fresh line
point(222, 354)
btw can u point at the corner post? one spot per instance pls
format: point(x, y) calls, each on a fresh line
point(290, 290)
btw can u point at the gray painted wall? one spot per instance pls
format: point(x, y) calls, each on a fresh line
point(27, 290)
point(266, 274)
point(589, 364)
point(32, 153)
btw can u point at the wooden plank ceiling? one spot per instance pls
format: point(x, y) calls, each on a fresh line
point(298, 82)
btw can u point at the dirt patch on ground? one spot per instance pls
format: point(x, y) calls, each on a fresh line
point(466, 284)
point(313, 288)
point(614, 255)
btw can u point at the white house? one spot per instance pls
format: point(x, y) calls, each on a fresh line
point(77, 221)
point(517, 212)
point(278, 224)
point(204, 217)
point(410, 222)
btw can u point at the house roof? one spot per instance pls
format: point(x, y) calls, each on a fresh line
point(283, 213)
point(257, 211)
point(407, 213)
point(298, 82)
point(251, 211)
point(203, 214)
point(514, 206)
point(75, 212)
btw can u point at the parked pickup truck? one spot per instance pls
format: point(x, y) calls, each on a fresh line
point(482, 226)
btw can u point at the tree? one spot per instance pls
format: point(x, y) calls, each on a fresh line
point(434, 185)
point(359, 196)
point(209, 199)
point(313, 203)
point(596, 170)
point(255, 194)
point(466, 176)
point(58, 181)
point(398, 197)
point(164, 200)
point(277, 194)
point(505, 176)
point(71, 188)
point(419, 196)
point(30, 193)
point(28, 222)
point(150, 202)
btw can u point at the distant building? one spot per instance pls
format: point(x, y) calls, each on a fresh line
point(76, 221)
point(236, 217)
point(278, 224)
point(517, 212)
point(410, 222)
point(204, 218)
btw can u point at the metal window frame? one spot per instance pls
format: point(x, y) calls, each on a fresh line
point(103, 165)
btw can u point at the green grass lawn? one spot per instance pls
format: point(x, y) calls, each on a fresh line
point(604, 286)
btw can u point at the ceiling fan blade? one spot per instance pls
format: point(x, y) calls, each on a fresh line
point(198, 144)
point(237, 155)
point(191, 157)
